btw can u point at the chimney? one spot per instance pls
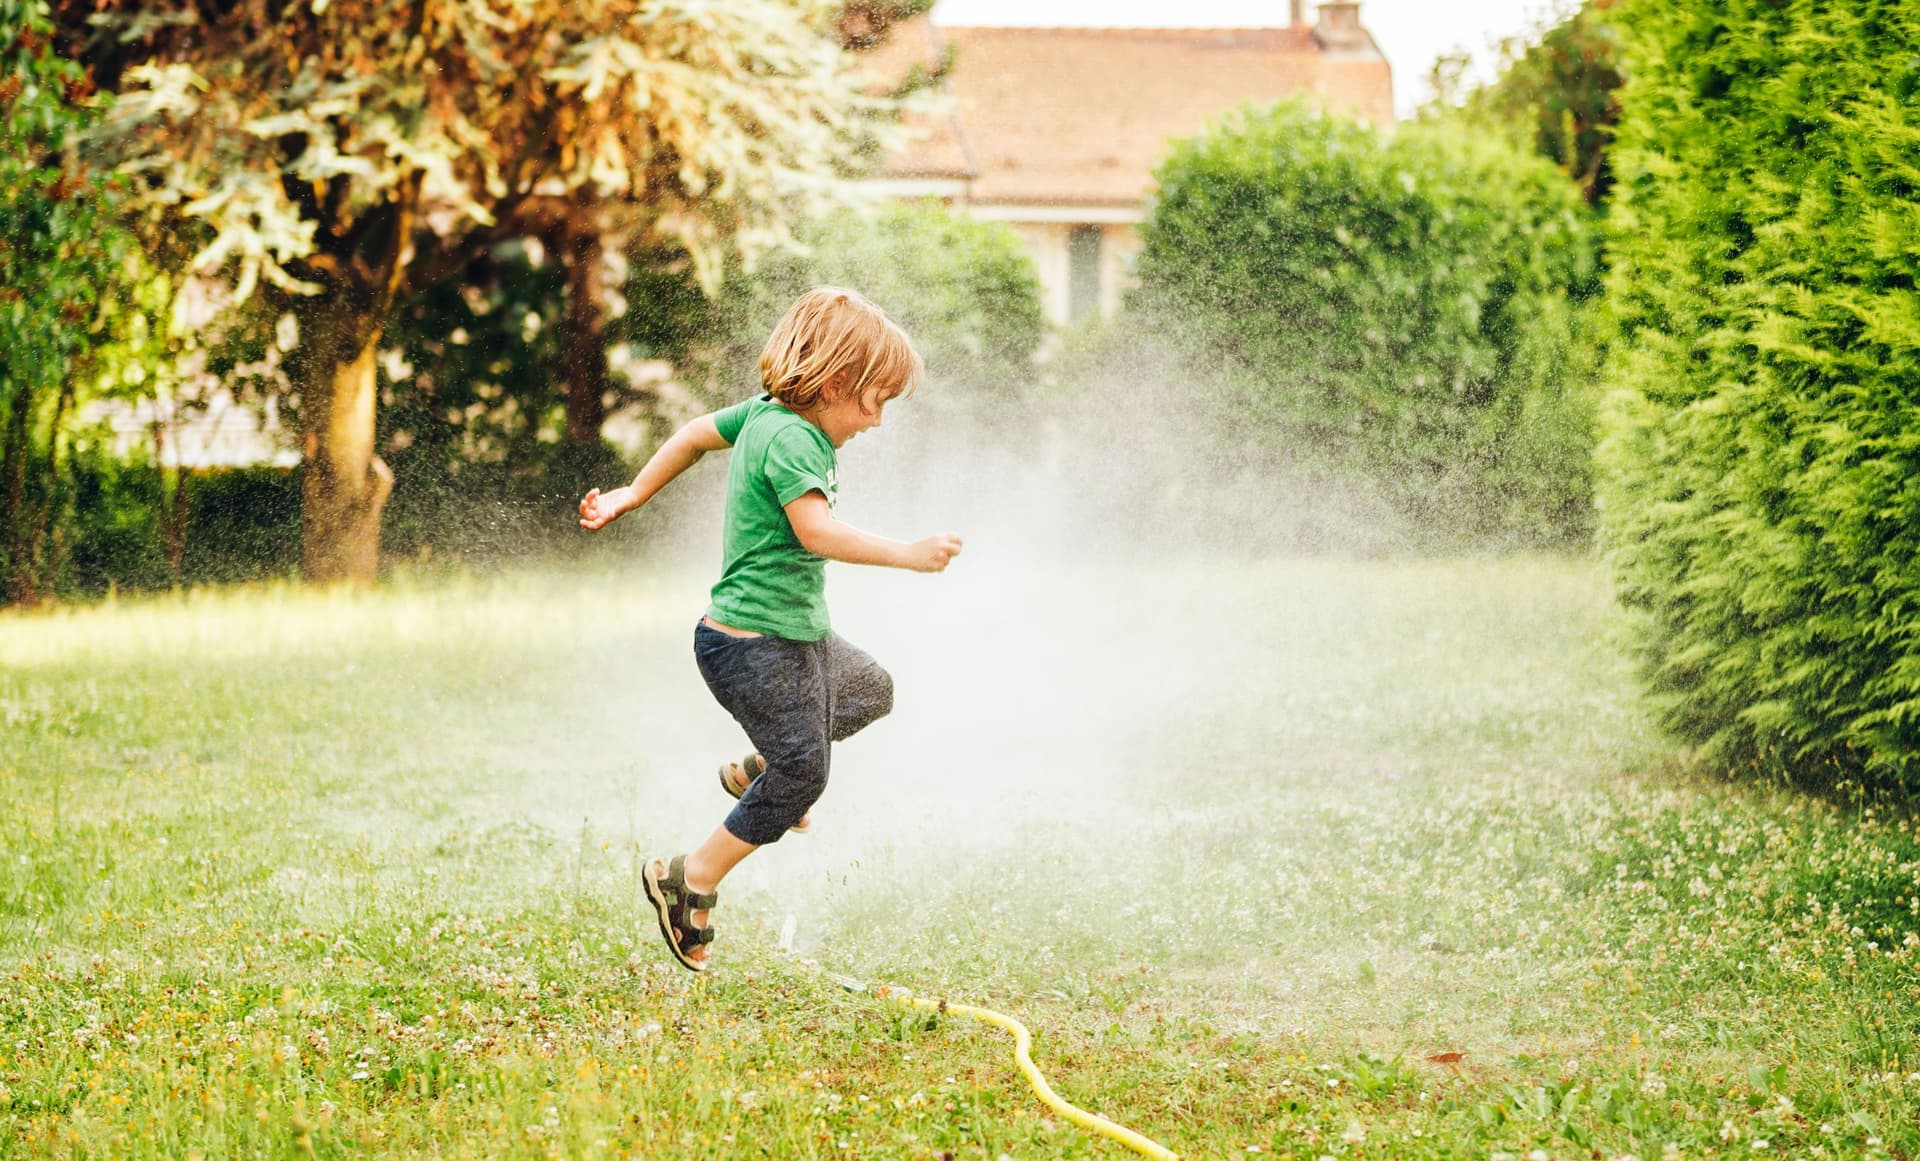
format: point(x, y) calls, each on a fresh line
point(1339, 25)
point(1297, 13)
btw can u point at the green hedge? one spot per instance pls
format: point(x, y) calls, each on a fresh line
point(1761, 459)
point(240, 524)
point(243, 524)
point(1400, 311)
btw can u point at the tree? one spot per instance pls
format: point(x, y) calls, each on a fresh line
point(339, 151)
point(58, 255)
point(1564, 88)
point(583, 230)
point(965, 290)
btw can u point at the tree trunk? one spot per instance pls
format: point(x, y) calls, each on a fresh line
point(47, 541)
point(13, 487)
point(344, 484)
point(584, 374)
point(171, 511)
point(174, 511)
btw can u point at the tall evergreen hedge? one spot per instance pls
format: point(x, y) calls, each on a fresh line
point(1761, 460)
point(1396, 310)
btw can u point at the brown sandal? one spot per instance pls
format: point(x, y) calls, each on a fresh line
point(673, 903)
point(749, 768)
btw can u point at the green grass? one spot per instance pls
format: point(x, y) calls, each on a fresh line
point(1248, 846)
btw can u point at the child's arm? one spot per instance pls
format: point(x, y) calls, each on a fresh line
point(696, 439)
point(822, 535)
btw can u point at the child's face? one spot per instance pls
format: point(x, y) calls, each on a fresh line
point(848, 413)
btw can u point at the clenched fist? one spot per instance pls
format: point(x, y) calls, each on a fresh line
point(933, 553)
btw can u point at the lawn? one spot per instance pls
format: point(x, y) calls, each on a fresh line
point(1304, 858)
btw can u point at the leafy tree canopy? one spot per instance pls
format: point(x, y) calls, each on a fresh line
point(59, 257)
point(1560, 88)
point(290, 127)
point(338, 150)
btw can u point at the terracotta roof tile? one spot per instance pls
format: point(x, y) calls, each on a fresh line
point(1082, 115)
point(937, 147)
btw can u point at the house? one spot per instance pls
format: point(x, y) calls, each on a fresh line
point(1056, 131)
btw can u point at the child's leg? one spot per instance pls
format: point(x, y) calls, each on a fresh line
point(777, 690)
point(862, 692)
point(681, 903)
point(706, 866)
point(710, 862)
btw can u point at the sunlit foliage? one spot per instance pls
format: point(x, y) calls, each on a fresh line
point(1762, 459)
point(964, 289)
point(59, 255)
point(1561, 88)
point(338, 151)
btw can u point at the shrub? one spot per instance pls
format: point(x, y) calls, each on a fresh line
point(239, 524)
point(243, 524)
point(1762, 449)
point(965, 290)
point(472, 417)
point(1401, 313)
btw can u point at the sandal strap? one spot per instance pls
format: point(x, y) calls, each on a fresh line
point(692, 937)
point(686, 899)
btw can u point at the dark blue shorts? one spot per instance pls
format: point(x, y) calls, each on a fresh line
point(794, 699)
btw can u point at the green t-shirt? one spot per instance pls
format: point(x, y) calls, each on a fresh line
point(768, 582)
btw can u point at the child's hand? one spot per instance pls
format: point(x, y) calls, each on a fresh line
point(933, 553)
point(597, 511)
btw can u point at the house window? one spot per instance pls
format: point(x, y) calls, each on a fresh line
point(1083, 272)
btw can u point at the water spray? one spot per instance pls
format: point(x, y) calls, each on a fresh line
point(1022, 1052)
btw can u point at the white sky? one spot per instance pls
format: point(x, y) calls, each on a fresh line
point(1411, 32)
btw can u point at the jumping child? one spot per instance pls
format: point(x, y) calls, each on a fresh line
point(765, 646)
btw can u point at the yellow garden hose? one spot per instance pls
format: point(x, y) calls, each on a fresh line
point(1022, 1043)
point(1022, 1054)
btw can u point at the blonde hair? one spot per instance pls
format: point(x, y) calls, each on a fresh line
point(829, 331)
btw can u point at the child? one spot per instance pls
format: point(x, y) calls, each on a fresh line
point(764, 646)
